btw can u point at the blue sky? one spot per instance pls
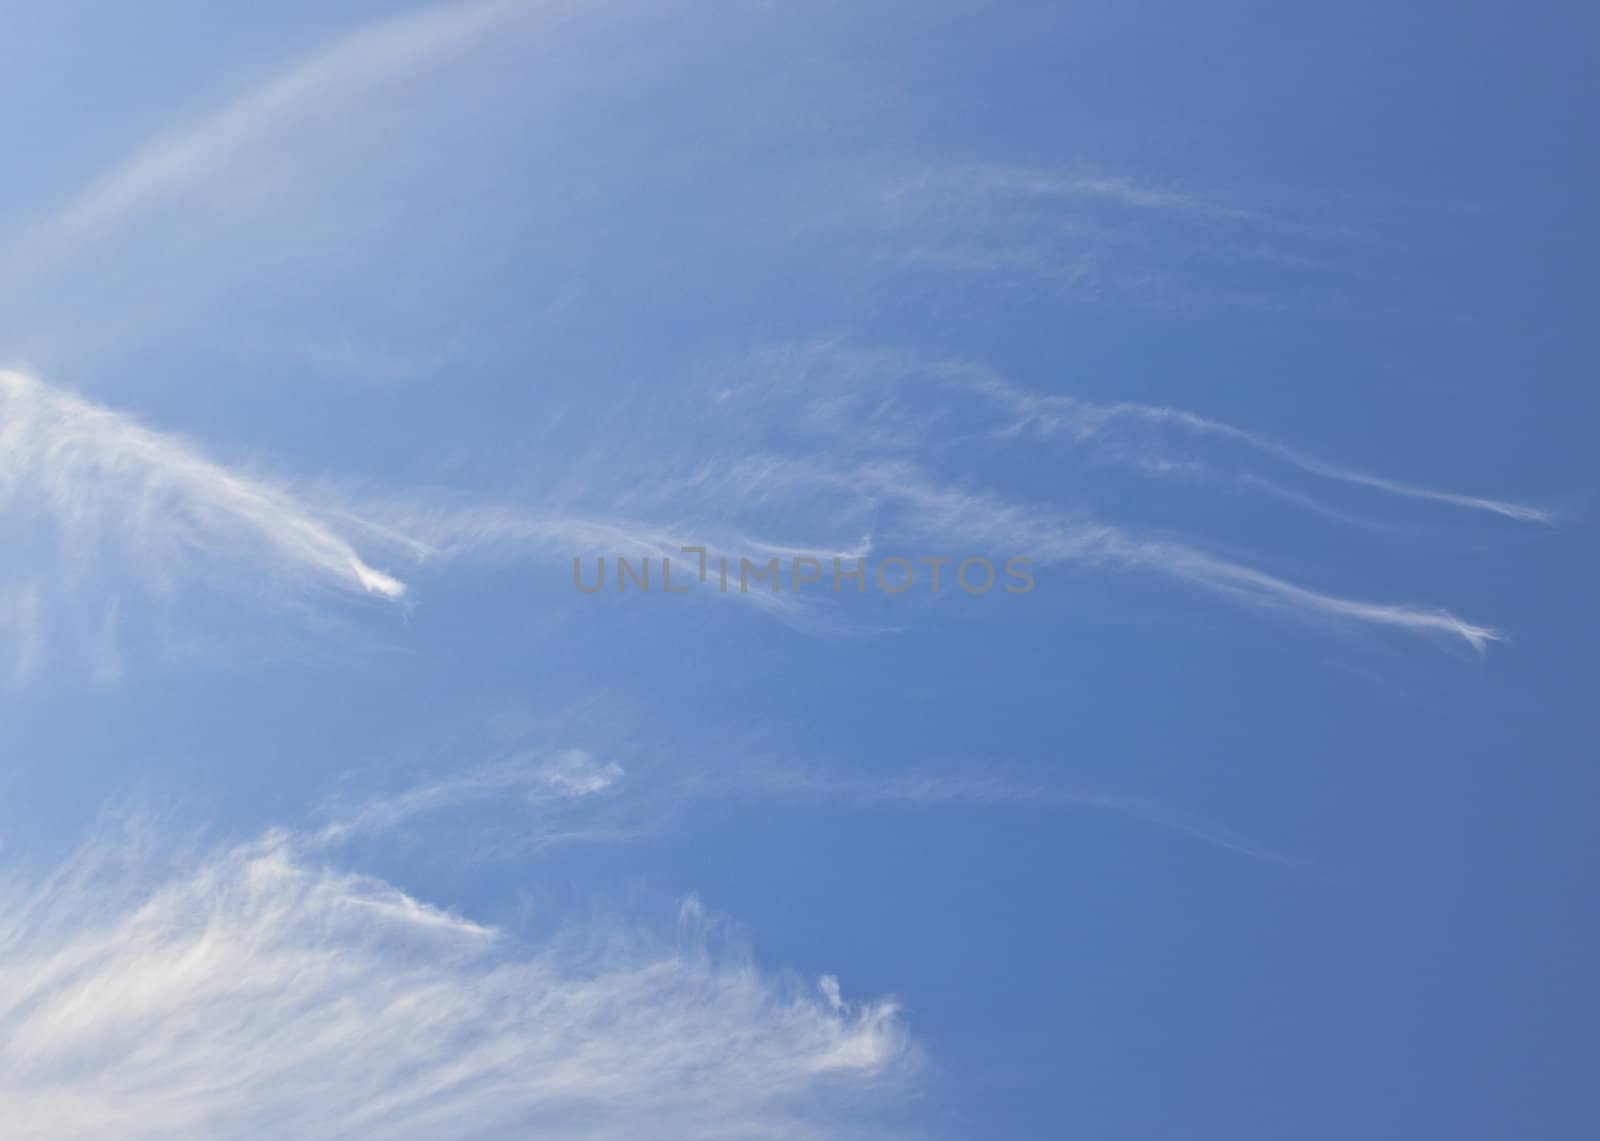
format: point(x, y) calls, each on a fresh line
point(330, 336)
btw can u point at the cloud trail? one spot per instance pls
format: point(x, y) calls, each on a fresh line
point(971, 516)
point(913, 508)
point(537, 783)
point(931, 789)
point(255, 992)
point(565, 796)
point(101, 479)
point(169, 167)
point(880, 395)
point(1054, 415)
point(104, 480)
point(970, 181)
point(433, 531)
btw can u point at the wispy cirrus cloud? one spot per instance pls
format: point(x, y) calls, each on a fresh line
point(972, 787)
point(100, 506)
point(554, 795)
point(258, 990)
point(1066, 416)
point(898, 396)
point(979, 517)
point(909, 509)
point(183, 160)
point(894, 504)
point(696, 540)
point(153, 509)
point(544, 798)
point(162, 513)
point(962, 184)
point(1082, 235)
point(880, 428)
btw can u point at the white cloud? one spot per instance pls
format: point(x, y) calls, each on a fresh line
point(255, 993)
point(430, 530)
point(965, 183)
point(918, 510)
point(970, 787)
point(153, 508)
point(169, 167)
point(891, 502)
point(972, 517)
point(158, 512)
point(563, 796)
point(1078, 235)
point(537, 782)
point(899, 396)
point(1067, 416)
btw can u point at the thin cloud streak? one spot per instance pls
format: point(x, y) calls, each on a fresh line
point(103, 480)
point(431, 531)
point(928, 789)
point(1081, 236)
point(1065, 414)
point(957, 513)
point(937, 516)
point(568, 796)
point(100, 475)
point(950, 518)
point(536, 782)
point(965, 182)
point(844, 385)
point(171, 166)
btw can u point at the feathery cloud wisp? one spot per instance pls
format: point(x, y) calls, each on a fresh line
point(915, 509)
point(933, 788)
point(964, 183)
point(166, 511)
point(845, 386)
point(542, 782)
point(1066, 415)
point(169, 167)
point(946, 511)
point(699, 548)
point(257, 992)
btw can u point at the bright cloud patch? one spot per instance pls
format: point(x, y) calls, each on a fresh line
point(154, 504)
point(258, 995)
